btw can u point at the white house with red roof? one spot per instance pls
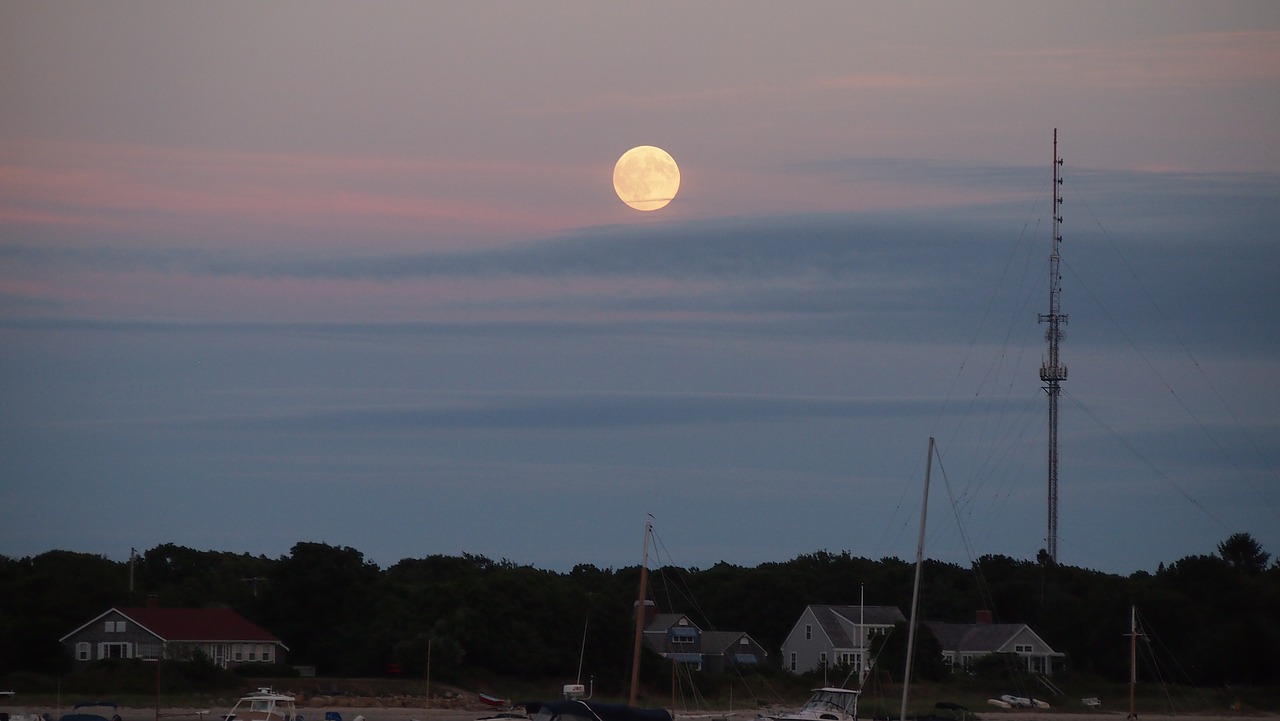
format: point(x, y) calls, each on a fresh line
point(224, 636)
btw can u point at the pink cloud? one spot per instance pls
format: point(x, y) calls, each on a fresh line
point(1179, 60)
point(151, 188)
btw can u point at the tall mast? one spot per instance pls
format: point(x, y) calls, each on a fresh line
point(1133, 660)
point(915, 588)
point(640, 620)
point(1052, 372)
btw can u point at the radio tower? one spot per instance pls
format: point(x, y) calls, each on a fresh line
point(1052, 372)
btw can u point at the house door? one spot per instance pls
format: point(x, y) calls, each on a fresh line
point(220, 655)
point(113, 650)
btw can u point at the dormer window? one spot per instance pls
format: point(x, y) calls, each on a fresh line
point(685, 635)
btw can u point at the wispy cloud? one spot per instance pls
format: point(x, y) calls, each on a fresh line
point(580, 412)
point(152, 188)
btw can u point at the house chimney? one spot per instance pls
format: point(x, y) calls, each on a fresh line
point(982, 617)
point(648, 612)
point(153, 601)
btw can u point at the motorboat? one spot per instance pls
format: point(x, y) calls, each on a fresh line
point(92, 711)
point(826, 704)
point(12, 714)
point(489, 699)
point(579, 710)
point(264, 705)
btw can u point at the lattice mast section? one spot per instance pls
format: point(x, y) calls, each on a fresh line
point(1052, 372)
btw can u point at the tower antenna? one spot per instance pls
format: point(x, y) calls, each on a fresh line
point(1052, 372)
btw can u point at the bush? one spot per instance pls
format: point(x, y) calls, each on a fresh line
point(266, 670)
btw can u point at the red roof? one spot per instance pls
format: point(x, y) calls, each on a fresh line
point(198, 624)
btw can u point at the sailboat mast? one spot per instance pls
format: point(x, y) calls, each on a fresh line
point(644, 577)
point(1133, 659)
point(1052, 372)
point(915, 591)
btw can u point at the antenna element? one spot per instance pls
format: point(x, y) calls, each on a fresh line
point(1052, 372)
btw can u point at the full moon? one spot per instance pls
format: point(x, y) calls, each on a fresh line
point(646, 178)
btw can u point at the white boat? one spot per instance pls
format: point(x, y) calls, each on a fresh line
point(1010, 701)
point(264, 705)
point(826, 704)
point(13, 714)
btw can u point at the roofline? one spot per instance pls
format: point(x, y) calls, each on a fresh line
point(836, 612)
point(808, 610)
point(1017, 629)
point(99, 617)
point(273, 640)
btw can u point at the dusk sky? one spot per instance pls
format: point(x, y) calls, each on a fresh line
point(356, 273)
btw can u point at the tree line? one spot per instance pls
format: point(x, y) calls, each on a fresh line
point(1218, 615)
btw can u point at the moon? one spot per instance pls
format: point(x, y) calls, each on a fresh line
point(646, 178)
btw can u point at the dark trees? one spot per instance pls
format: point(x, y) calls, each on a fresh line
point(1216, 616)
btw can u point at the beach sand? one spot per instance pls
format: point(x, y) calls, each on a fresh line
point(473, 712)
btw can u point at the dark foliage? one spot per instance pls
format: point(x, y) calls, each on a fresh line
point(1218, 615)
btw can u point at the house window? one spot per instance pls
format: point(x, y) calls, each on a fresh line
point(83, 650)
point(148, 651)
point(822, 658)
point(793, 662)
point(1022, 648)
point(253, 653)
point(743, 641)
point(266, 654)
point(114, 627)
point(852, 660)
point(808, 632)
point(683, 635)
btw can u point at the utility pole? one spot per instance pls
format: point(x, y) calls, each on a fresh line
point(1052, 372)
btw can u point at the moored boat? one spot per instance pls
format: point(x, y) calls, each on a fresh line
point(579, 710)
point(264, 705)
point(13, 714)
point(826, 704)
point(93, 711)
point(490, 700)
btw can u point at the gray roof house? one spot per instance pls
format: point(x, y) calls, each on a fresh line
point(836, 635)
point(842, 635)
point(963, 642)
point(675, 637)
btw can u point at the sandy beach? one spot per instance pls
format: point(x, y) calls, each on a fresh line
point(471, 712)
